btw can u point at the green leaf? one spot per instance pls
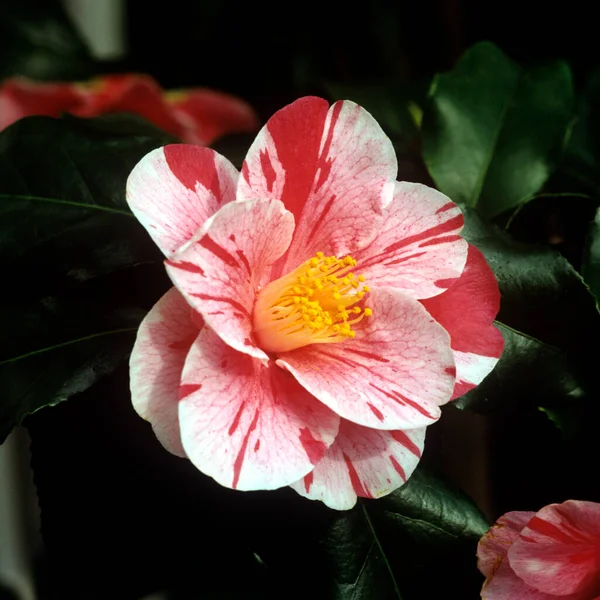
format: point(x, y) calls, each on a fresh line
point(492, 131)
point(387, 548)
point(80, 271)
point(591, 258)
point(548, 319)
point(38, 41)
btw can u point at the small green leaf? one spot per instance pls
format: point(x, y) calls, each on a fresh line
point(79, 272)
point(387, 548)
point(492, 131)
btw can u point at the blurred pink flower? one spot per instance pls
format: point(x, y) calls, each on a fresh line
point(548, 555)
point(197, 116)
point(322, 312)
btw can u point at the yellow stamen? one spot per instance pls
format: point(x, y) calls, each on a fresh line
point(317, 303)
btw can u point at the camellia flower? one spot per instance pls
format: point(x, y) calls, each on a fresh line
point(197, 116)
point(548, 555)
point(322, 312)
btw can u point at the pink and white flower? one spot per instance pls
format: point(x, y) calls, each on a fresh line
point(551, 554)
point(322, 312)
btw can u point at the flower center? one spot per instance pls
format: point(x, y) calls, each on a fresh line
point(317, 303)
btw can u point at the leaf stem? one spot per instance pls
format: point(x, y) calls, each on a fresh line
point(69, 343)
point(383, 556)
point(108, 209)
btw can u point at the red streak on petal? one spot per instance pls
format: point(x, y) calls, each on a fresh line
point(445, 283)
point(183, 344)
point(404, 258)
point(245, 173)
point(398, 468)
point(257, 446)
point(232, 237)
point(400, 399)
point(450, 371)
point(186, 266)
point(236, 420)
point(402, 438)
point(450, 225)
point(368, 355)
point(243, 258)
point(440, 240)
point(554, 532)
point(239, 461)
point(375, 411)
point(267, 169)
point(355, 480)
point(186, 389)
point(223, 364)
point(193, 165)
point(448, 206)
point(315, 449)
point(297, 142)
point(220, 252)
point(325, 163)
point(308, 480)
point(321, 218)
point(231, 301)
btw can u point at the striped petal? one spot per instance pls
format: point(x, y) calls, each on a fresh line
point(248, 425)
point(333, 168)
point(558, 552)
point(163, 341)
point(219, 271)
point(362, 462)
point(493, 546)
point(467, 311)
point(506, 585)
point(418, 249)
point(394, 374)
point(173, 190)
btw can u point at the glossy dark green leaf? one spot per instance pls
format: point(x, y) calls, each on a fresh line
point(38, 41)
point(548, 319)
point(387, 548)
point(79, 272)
point(492, 131)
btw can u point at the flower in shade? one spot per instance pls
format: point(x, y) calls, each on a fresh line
point(551, 554)
point(197, 116)
point(322, 312)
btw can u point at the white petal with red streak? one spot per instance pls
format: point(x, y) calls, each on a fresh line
point(248, 425)
point(467, 311)
point(174, 189)
point(333, 168)
point(418, 248)
point(558, 551)
point(394, 374)
point(163, 341)
point(362, 462)
point(219, 271)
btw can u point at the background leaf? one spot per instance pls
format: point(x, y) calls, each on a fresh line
point(38, 41)
point(492, 132)
point(81, 271)
point(591, 260)
point(548, 319)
